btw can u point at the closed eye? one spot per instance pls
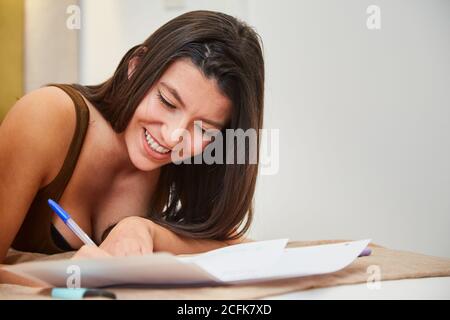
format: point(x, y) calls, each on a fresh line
point(164, 101)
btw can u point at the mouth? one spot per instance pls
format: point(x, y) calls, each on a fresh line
point(153, 147)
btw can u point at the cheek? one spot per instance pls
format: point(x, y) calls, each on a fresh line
point(192, 146)
point(199, 145)
point(204, 144)
point(148, 110)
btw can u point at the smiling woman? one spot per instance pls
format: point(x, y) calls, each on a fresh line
point(201, 71)
point(168, 112)
point(216, 64)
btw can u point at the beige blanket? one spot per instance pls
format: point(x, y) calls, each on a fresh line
point(391, 265)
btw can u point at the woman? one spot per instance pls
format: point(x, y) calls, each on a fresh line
point(104, 152)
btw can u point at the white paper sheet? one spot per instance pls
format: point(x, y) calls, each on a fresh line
point(246, 262)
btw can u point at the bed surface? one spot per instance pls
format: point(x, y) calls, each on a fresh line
point(404, 275)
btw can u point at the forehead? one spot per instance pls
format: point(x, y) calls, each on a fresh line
point(201, 96)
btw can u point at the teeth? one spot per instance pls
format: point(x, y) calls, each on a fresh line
point(154, 145)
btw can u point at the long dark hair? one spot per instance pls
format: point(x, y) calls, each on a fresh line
point(202, 200)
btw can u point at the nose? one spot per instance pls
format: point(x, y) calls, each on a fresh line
point(173, 131)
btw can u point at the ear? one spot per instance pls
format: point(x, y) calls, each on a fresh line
point(132, 64)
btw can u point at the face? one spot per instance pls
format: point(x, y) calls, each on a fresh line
point(177, 117)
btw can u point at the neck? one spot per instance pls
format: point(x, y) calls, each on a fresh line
point(121, 161)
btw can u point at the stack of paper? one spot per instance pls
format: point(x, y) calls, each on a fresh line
point(241, 263)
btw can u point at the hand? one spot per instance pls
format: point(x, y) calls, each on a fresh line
point(130, 237)
point(86, 252)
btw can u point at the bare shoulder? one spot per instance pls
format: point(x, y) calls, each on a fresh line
point(41, 124)
point(50, 104)
point(35, 136)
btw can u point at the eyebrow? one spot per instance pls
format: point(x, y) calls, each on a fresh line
point(174, 92)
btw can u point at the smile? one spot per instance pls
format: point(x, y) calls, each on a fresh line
point(155, 146)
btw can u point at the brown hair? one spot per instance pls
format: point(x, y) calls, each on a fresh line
point(196, 200)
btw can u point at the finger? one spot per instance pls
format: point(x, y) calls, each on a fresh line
point(123, 249)
point(146, 249)
point(90, 252)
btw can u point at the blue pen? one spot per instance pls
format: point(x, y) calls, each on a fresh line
point(70, 223)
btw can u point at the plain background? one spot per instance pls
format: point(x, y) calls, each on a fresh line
point(364, 115)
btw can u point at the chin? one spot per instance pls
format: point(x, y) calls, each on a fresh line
point(140, 161)
point(144, 164)
point(139, 155)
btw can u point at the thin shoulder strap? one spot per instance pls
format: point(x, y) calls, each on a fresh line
point(56, 188)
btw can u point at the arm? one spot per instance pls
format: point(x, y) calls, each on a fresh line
point(167, 240)
point(136, 236)
point(30, 141)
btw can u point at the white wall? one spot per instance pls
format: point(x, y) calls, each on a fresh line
point(365, 122)
point(363, 115)
point(111, 27)
point(51, 49)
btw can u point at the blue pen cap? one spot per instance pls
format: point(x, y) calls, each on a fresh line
point(80, 293)
point(58, 210)
point(68, 293)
